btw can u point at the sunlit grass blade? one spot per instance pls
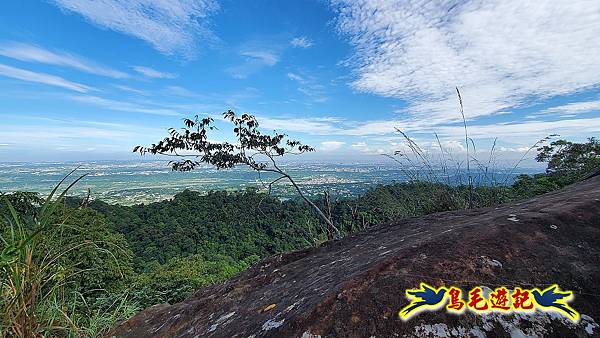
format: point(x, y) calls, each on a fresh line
point(49, 198)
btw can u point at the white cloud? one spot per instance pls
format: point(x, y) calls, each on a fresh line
point(31, 53)
point(449, 145)
point(295, 77)
point(382, 134)
point(310, 86)
point(499, 53)
point(170, 26)
point(575, 107)
point(301, 42)
point(43, 134)
point(153, 73)
point(315, 126)
point(513, 150)
point(52, 80)
point(122, 105)
point(256, 58)
point(77, 135)
point(179, 91)
point(364, 148)
point(331, 145)
point(131, 90)
point(374, 127)
point(521, 133)
point(269, 58)
point(526, 133)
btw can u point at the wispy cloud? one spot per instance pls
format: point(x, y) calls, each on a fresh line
point(526, 132)
point(365, 148)
point(131, 90)
point(170, 26)
point(269, 58)
point(309, 85)
point(76, 135)
point(153, 73)
point(315, 126)
point(52, 80)
point(331, 145)
point(295, 77)
point(255, 59)
point(301, 42)
point(179, 91)
point(574, 108)
point(521, 134)
point(44, 134)
point(32, 53)
point(122, 105)
point(500, 53)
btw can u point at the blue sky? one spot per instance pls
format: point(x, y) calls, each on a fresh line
point(88, 80)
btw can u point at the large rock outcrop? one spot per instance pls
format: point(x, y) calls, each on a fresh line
point(354, 287)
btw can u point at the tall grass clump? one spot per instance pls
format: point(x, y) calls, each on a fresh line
point(451, 180)
point(38, 291)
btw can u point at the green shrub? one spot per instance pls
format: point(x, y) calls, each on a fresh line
point(179, 277)
point(54, 261)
